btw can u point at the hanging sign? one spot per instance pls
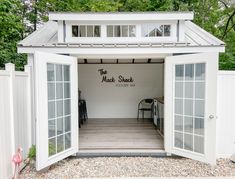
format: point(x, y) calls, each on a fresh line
point(119, 81)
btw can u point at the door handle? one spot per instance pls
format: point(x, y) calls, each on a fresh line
point(211, 117)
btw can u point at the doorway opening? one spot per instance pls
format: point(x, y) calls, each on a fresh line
point(112, 89)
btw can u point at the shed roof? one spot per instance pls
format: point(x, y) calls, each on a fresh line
point(46, 37)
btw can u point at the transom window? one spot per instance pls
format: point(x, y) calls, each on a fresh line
point(85, 30)
point(121, 31)
point(155, 30)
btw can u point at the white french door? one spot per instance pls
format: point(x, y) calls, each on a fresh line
point(56, 108)
point(190, 106)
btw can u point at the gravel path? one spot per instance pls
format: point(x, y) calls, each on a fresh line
point(131, 167)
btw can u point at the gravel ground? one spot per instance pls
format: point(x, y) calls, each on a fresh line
point(131, 167)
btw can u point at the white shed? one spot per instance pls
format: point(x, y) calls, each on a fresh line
point(116, 60)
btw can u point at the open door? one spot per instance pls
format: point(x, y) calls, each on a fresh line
point(56, 108)
point(190, 106)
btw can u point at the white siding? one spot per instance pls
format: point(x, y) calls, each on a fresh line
point(226, 115)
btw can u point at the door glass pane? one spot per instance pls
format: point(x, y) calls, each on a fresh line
point(59, 108)
point(178, 106)
point(189, 71)
point(60, 143)
point(51, 91)
point(179, 72)
point(67, 107)
point(52, 146)
point(51, 128)
point(60, 126)
point(67, 123)
point(50, 72)
point(66, 73)
point(188, 142)
point(66, 90)
point(179, 89)
point(189, 109)
point(199, 108)
point(200, 92)
point(178, 140)
point(67, 140)
point(59, 73)
point(200, 71)
point(189, 89)
point(199, 126)
point(59, 90)
point(188, 124)
point(51, 109)
point(179, 123)
point(199, 144)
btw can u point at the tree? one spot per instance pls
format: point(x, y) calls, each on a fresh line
point(18, 18)
point(218, 18)
point(11, 31)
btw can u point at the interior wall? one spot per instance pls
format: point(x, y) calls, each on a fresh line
point(117, 99)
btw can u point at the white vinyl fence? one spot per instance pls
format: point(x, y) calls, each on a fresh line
point(15, 116)
point(226, 114)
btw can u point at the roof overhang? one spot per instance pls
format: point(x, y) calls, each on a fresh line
point(133, 16)
point(121, 52)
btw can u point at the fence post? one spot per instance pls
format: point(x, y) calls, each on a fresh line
point(27, 69)
point(11, 69)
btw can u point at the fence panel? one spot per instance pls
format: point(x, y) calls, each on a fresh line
point(15, 128)
point(21, 123)
point(226, 114)
point(5, 126)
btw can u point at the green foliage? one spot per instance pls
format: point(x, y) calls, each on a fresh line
point(32, 153)
point(213, 15)
point(227, 59)
point(11, 31)
point(135, 5)
point(20, 17)
point(103, 6)
point(160, 5)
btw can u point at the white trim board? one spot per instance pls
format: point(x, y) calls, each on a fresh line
point(121, 51)
point(122, 16)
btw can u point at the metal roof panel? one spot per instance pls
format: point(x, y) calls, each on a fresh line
point(47, 37)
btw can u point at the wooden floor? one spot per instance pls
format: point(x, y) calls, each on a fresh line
point(129, 134)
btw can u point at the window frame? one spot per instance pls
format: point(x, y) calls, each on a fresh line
point(157, 26)
point(113, 27)
point(86, 30)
